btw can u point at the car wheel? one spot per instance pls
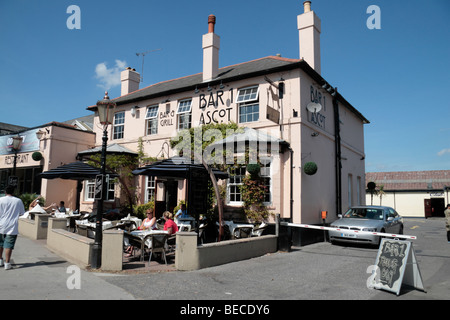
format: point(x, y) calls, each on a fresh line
point(401, 230)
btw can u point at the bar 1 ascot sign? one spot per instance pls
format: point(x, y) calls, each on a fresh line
point(214, 108)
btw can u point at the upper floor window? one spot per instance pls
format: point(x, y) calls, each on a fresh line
point(184, 114)
point(151, 120)
point(248, 101)
point(118, 125)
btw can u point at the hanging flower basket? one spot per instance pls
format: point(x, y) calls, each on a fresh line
point(37, 156)
point(310, 168)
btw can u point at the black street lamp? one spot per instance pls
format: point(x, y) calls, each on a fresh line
point(17, 143)
point(106, 115)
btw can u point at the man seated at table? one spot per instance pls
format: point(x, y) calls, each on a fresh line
point(182, 213)
point(169, 225)
point(61, 207)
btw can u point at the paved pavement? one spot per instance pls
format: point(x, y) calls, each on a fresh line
point(318, 271)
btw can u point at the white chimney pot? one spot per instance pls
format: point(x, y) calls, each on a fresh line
point(130, 80)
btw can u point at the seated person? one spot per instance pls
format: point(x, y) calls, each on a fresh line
point(149, 223)
point(169, 225)
point(182, 213)
point(61, 207)
point(36, 201)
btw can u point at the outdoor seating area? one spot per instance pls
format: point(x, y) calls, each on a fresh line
point(153, 250)
point(135, 243)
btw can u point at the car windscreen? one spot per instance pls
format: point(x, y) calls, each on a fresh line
point(364, 213)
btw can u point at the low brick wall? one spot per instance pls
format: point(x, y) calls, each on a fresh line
point(190, 256)
point(77, 248)
point(34, 229)
point(69, 245)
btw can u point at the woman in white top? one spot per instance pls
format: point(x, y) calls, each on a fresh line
point(149, 223)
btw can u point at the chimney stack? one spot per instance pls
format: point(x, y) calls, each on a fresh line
point(130, 81)
point(309, 28)
point(211, 46)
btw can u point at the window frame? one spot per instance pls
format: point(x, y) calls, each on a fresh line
point(184, 116)
point(243, 93)
point(110, 189)
point(267, 177)
point(247, 99)
point(235, 185)
point(118, 131)
point(151, 122)
point(89, 190)
point(150, 185)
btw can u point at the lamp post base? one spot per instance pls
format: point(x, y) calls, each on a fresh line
point(96, 256)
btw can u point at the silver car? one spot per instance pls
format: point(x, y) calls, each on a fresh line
point(366, 218)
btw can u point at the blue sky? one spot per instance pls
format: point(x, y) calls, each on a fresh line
point(396, 76)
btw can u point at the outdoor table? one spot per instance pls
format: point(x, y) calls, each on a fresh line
point(145, 238)
point(91, 226)
point(136, 220)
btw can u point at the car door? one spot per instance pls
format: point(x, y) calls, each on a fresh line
point(394, 224)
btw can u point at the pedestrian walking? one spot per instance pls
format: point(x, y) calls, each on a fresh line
point(447, 221)
point(10, 210)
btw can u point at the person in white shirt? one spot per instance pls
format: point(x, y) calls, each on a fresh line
point(10, 210)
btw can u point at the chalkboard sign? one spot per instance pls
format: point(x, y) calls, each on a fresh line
point(396, 264)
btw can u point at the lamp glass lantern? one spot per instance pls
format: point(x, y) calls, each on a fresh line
point(17, 142)
point(106, 110)
point(39, 134)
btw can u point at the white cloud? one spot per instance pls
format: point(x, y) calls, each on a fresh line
point(109, 78)
point(443, 151)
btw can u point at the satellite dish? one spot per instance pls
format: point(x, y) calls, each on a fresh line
point(314, 107)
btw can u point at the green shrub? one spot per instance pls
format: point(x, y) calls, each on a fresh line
point(142, 208)
point(27, 199)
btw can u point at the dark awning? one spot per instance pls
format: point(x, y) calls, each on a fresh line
point(72, 171)
point(77, 171)
point(177, 167)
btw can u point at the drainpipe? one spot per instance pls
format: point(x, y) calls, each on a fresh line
point(292, 185)
point(337, 149)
